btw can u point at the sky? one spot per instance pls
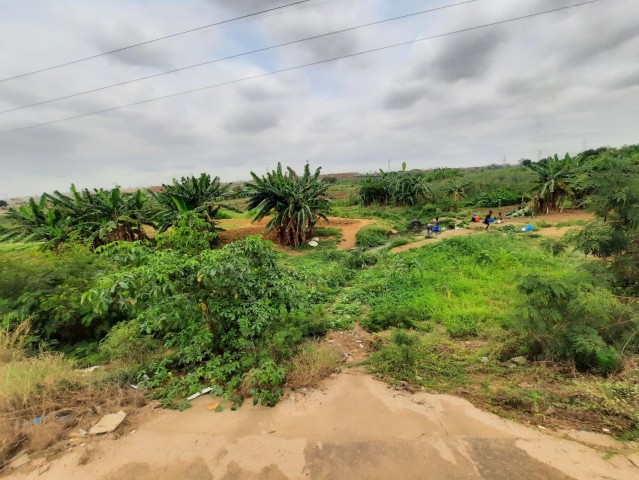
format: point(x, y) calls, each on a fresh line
point(555, 83)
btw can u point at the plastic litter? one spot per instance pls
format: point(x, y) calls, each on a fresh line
point(201, 392)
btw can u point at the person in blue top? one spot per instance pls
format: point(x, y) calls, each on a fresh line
point(488, 219)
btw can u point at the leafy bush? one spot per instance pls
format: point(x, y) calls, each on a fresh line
point(371, 236)
point(554, 246)
point(497, 198)
point(125, 344)
point(47, 288)
point(384, 317)
point(191, 234)
point(230, 316)
point(565, 317)
point(358, 260)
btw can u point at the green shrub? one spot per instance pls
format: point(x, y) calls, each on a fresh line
point(46, 289)
point(371, 236)
point(191, 234)
point(564, 317)
point(358, 260)
point(384, 317)
point(554, 246)
point(125, 344)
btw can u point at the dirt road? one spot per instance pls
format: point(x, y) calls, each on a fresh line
point(356, 428)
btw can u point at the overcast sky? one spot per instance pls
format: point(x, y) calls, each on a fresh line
point(552, 84)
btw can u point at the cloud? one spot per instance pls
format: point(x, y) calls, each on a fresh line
point(251, 122)
point(404, 97)
point(464, 57)
point(547, 83)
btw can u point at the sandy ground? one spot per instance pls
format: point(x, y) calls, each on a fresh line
point(238, 228)
point(356, 427)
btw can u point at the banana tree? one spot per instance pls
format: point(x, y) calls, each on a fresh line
point(298, 202)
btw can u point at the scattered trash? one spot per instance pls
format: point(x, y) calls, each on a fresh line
point(542, 428)
point(198, 394)
point(606, 430)
point(37, 420)
point(393, 232)
point(483, 359)
point(108, 423)
point(315, 239)
point(79, 434)
point(303, 391)
point(91, 369)
point(313, 243)
point(214, 405)
point(133, 386)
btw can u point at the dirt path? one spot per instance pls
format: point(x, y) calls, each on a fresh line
point(354, 428)
point(349, 228)
point(553, 232)
point(238, 228)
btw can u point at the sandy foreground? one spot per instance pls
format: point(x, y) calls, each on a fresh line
point(356, 427)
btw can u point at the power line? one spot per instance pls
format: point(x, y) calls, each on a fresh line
point(259, 50)
point(297, 67)
point(146, 42)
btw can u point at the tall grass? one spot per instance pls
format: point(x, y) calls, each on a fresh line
point(466, 284)
point(45, 385)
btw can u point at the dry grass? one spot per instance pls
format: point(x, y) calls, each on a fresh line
point(48, 387)
point(311, 365)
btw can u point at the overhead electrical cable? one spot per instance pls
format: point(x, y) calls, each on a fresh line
point(238, 55)
point(153, 40)
point(297, 67)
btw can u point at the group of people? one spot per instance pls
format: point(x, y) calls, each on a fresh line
point(489, 219)
point(433, 227)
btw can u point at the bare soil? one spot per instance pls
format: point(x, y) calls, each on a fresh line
point(354, 427)
point(238, 228)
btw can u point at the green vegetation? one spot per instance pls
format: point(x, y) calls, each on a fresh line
point(298, 202)
point(371, 236)
point(200, 195)
point(137, 283)
point(397, 188)
point(552, 186)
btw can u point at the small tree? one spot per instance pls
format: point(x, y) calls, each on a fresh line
point(297, 201)
point(553, 185)
point(203, 195)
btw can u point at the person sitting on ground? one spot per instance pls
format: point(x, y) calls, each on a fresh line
point(429, 228)
point(500, 218)
point(475, 218)
point(487, 220)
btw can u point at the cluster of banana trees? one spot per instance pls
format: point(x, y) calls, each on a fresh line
point(399, 188)
point(102, 216)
